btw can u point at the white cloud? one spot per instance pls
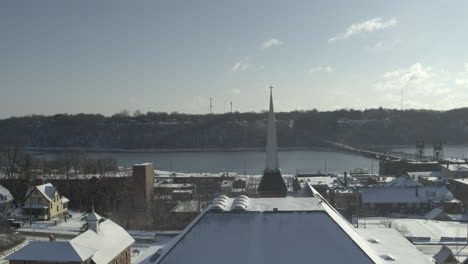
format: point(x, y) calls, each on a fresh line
point(416, 77)
point(326, 69)
point(423, 87)
point(462, 77)
point(235, 91)
point(241, 65)
point(270, 43)
point(367, 26)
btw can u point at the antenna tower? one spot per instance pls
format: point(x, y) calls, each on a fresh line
point(211, 105)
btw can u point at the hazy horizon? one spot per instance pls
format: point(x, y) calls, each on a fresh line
point(103, 57)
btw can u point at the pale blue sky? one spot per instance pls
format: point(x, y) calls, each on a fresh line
point(105, 56)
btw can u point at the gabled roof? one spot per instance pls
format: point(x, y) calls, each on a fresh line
point(110, 241)
point(433, 214)
point(270, 230)
point(52, 252)
point(402, 181)
point(48, 190)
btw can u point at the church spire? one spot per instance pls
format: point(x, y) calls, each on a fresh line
point(272, 183)
point(271, 162)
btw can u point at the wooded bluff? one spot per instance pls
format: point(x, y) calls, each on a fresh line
point(236, 130)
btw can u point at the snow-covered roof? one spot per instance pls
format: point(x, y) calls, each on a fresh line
point(402, 181)
point(48, 190)
point(52, 252)
point(422, 228)
point(5, 194)
point(65, 200)
point(425, 174)
point(457, 167)
point(274, 230)
point(433, 213)
point(388, 243)
point(260, 236)
point(330, 181)
point(110, 241)
point(406, 194)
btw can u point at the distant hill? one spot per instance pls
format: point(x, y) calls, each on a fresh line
point(236, 130)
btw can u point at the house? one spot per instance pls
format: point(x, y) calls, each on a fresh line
point(408, 199)
point(452, 171)
point(6, 199)
point(104, 242)
point(44, 202)
point(279, 230)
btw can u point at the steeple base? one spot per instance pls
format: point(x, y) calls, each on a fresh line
point(272, 185)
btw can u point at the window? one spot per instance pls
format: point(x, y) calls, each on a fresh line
point(57, 208)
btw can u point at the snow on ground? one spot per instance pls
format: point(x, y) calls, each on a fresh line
point(71, 227)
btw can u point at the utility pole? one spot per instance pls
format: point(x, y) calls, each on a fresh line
point(231, 107)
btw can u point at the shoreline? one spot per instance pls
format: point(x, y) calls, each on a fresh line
point(104, 150)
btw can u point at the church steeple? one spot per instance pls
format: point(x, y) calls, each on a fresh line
point(271, 162)
point(272, 183)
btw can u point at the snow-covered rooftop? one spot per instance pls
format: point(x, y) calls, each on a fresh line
point(108, 242)
point(48, 190)
point(402, 181)
point(406, 194)
point(388, 243)
point(52, 252)
point(457, 167)
point(330, 181)
point(433, 213)
point(431, 229)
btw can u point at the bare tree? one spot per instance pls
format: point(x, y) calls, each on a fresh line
point(11, 156)
point(402, 229)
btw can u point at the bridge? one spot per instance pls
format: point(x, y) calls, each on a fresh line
point(388, 155)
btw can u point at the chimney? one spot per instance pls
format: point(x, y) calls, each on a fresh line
point(345, 179)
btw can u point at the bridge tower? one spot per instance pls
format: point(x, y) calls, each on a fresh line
point(438, 150)
point(420, 148)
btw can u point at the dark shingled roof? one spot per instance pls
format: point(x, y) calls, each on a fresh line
point(272, 185)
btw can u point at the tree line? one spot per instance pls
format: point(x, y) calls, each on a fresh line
point(152, 130)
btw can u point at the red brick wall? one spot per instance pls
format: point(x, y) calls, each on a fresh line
point(123, 258)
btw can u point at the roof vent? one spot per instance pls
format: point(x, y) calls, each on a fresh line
point(219, 204)
point(373, 241)
point(240, 204)
point(387, 257)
